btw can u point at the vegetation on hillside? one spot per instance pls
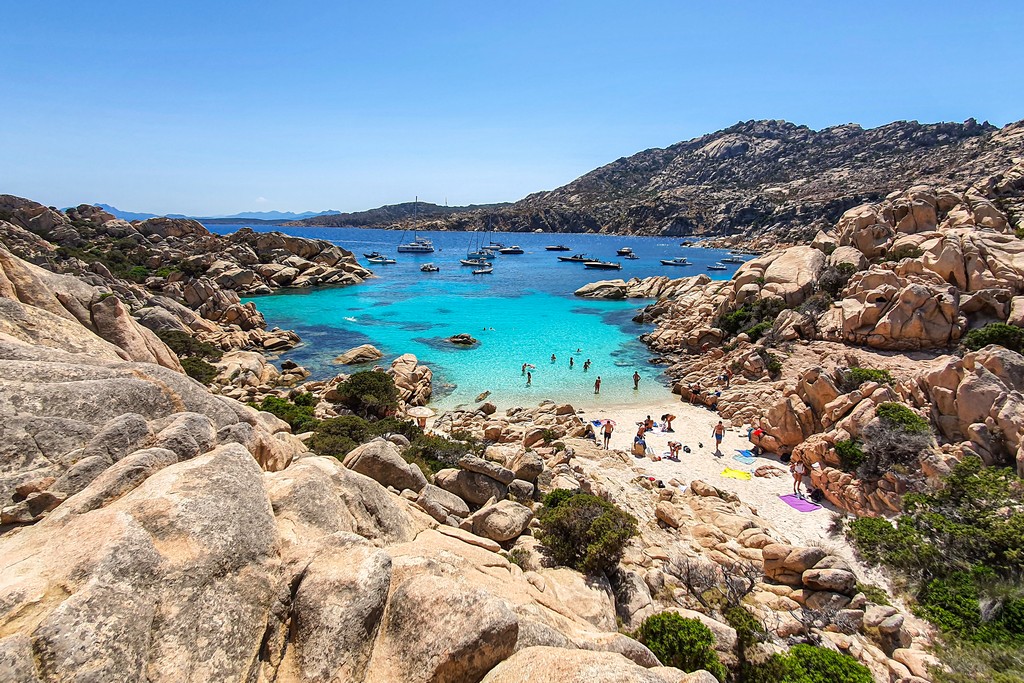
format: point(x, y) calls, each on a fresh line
point(583, 531)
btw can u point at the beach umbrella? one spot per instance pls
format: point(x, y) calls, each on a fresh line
point(611, 422)
point(420, 411)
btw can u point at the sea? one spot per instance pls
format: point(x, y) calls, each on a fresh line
point(523, 313)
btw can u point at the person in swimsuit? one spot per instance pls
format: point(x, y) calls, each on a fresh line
point(667, 419)
point(719, 433)
point(570, 362)
point(597, 385)
point(799, 470)
point(608, 429)
point(586, 365)
point(636, 380)
point(529, 378)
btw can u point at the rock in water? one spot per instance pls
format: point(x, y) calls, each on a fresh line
point(462, 340)
point(367, 353)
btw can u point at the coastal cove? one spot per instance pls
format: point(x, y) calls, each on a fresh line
point(522, 313)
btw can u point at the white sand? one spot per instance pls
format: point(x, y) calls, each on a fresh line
point(694, 426)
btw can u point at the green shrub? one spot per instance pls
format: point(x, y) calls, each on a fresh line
point(686, 644)
point(339, 435)
point(584, 532)
point(299, 418)
point(1007, 336)
point(965, 545)
point(758, 330)
point(811, 664)
point(973, 662)
point(850, 455)
point(439, 453)
point(369, 393)
point(138, 274)
point(873, 593)
point(198, 369)
point(904, 251)
point(833, 279)
point(854, 377)
point(773, 364)
point(392, 425)
point(304, 400)
point(899, 415)
point(184, 344)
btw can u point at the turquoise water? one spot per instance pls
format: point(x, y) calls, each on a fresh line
point(523, 313)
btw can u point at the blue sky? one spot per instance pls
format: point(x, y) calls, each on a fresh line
point(203, 108)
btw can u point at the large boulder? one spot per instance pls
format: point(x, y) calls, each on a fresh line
point(557, 665)
point(472, 487)
point(501, 522)
point(380, 460)
point(367, 353)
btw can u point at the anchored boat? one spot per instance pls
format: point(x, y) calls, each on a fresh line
point(624, 251)
point(677, 261)
point(557, 247)
point(484, 271)
point(575, 258)
point(382, 260)
point(514, 249)
point(717, 266)
point(429, 268)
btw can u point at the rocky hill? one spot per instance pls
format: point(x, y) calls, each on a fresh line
point(756, 179)
point(392, 215)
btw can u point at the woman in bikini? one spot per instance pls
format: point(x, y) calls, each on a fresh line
point(799, 470)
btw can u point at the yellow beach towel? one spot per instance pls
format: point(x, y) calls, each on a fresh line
point(735, 474)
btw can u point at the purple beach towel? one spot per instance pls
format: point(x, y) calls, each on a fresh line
point(799, 504)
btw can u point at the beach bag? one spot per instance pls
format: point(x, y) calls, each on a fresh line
point(817, 495)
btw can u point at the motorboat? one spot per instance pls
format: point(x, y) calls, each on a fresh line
point(489, 253)
point(382, 260)
point(429, 268)
point(419, 245)
point(575, 258)
point(557, 247)
point(631, 256)
point(475, 262)
point(514, 249)
point(624, 251)
point(677, 261)
point(484, 271)
point(373, 254)
point(732, 259)
point(717, 266)
point(603, 265)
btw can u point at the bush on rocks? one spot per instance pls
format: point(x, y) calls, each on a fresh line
point(686, 644)
point(854, 377)
point(893, 441)
point(368, 393)
point(299, 417)
point(438, 453)
point(198, 369)
point(185, 345)
point(810, 664)
point(583, 531)
point(834, 279)
point(339, 435)
point(1007, 336)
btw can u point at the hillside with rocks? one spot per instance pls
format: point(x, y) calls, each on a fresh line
point(765, 182)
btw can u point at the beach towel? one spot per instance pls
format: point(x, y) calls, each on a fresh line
point(735, 474)
point(799, 504)
point(745, 459)
point(747, 453)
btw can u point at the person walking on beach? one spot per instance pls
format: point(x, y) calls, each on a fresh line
point(719, 433)
point(608, 429)
point(636, 380)
point(597, 385)
point(529, 378)
point(799, 469)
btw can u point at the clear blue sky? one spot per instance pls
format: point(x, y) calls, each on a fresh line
point(216, 107)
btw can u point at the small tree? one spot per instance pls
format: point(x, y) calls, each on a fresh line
point(369, 393)
point(686, 644)
point(339, 435)
point(894, 440)
point(583, 531)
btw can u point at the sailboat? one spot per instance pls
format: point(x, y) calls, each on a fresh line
point(419, 245)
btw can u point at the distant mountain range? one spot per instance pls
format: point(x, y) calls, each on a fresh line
point(392, 214)
point(261, 216)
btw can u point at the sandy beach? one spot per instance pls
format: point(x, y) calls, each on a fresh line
point(695, 426)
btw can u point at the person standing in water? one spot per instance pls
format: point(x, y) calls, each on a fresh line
point(597, 385)
point(524, 368)
point(586, 365)
point(553, 359)
point(571, 362)
point(636, 380)
point(529, 378)
point(719, 433)
point(608, 429)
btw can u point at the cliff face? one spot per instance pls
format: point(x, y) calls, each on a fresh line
point(755, 178)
